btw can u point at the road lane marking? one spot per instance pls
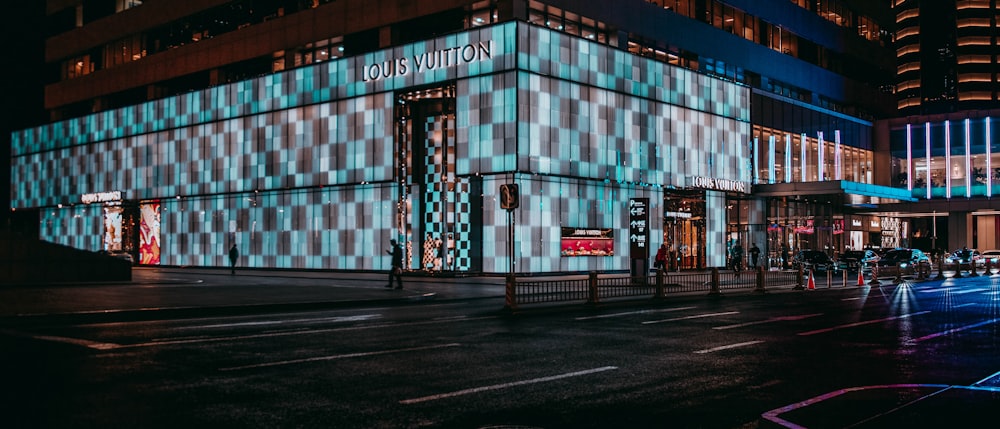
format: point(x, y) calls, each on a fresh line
point(727, 347)
point(867, 322)
point(505, 385)
point(965, 305)
point(631, 313)
point(166, 342)
point(773, 319)
point(697, 316)
point(334, 357)
point(335, 319)
point(851, 299)
point(773, 415)
point(97, 345)
point(951, 331)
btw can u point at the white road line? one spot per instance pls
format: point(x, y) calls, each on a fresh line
point(78, 342)
point(867, 322)
point(506, 385)
point(358, 318)
point(773, 319)
point(966, 305)
point(851, 299)
point(333, 357)
point(727, 347)
point(697, 316)
point(165, 342)
point(66, 340)
point(983, 381)
point(951, 331)
point(631, 313)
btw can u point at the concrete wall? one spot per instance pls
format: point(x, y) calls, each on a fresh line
point(26, 261)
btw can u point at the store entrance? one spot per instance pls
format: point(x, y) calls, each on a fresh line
point(434, 202)
point(684, 229)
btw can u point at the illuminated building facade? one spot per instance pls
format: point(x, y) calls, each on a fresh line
point(945, 147)
point(311, 146)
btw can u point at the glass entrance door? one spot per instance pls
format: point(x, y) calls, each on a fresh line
point(684, 229)
point(431, 194)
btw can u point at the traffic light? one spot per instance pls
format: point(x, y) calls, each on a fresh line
point(509, 196)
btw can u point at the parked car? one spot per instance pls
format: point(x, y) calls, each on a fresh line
point(993, 256)
point(815, 260)
point(905, 262)
point(853, 260)
point(965, 257)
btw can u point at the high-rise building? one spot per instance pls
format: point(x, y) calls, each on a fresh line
point(944, 144)
point(310, 132)
point(947, 55)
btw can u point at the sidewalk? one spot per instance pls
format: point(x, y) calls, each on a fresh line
point(213, 291)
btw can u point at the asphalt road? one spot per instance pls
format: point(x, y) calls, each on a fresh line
point(917, 354)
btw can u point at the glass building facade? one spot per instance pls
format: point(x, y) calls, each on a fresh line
point(318, 167)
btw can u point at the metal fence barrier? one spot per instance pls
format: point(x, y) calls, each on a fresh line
point(593, 288)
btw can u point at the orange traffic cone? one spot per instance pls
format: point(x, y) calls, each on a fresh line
point(861, 278)
point(812, 283)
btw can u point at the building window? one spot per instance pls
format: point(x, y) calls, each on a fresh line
point(123, 5)
point(76, 67)
point(319, 51)
point(567, 22)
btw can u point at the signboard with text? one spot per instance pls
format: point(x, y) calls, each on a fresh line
point(638, 225)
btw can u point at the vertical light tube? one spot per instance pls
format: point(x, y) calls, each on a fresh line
point(770, 160)
point(927, 146)
point(947, 159)
point(837, 174)
point(788, 158)
point(968, 160)
point(756, 159)
point(820, 167)
point(802, 150)
point(909, 158)
point(989, 161)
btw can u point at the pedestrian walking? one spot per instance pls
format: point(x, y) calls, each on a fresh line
point(737, 257)
point(397, 264)
point(660, 261)
point(754, 255)
point(234, 255)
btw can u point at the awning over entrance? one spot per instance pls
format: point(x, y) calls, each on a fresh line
point(860, 195)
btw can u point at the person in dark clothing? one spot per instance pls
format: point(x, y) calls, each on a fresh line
point(754, 255)
point(397, 264)
point(234, 255)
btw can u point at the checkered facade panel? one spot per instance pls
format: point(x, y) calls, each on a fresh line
point(569, 129)
point(715, 229)
point(573, 59)
point(300, 168)
point(330, 228)
point(480, 51)
point(550, 203)
point(347, 141)
point(80, 227)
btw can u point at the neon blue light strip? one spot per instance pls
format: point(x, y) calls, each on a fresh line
point(947, 158)
point(839, 175)
point(968, 160)
point(788, 158)
point(927, 142)
point(770, 159)
point(909, 158)
point(820, 168)
point(989, 161)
